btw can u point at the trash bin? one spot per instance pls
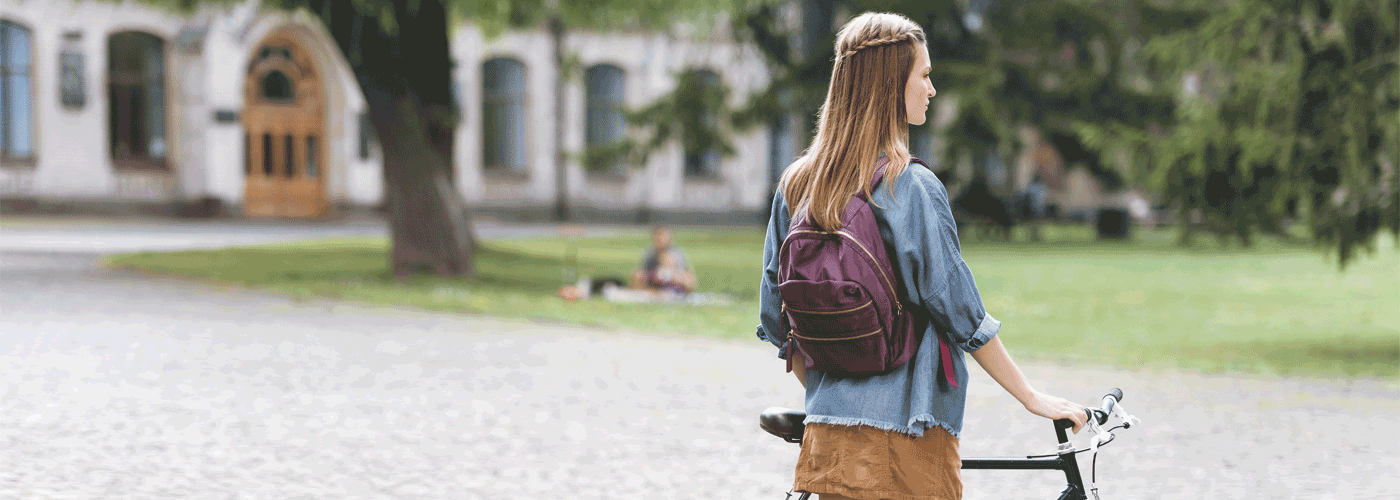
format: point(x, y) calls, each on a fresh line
point(1113, 223)
point(204, 207)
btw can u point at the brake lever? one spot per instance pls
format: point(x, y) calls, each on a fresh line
point(1101, 436)
point(1128, 420)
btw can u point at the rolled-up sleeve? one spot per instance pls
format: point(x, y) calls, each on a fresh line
point(919, 222)
point(769, 302)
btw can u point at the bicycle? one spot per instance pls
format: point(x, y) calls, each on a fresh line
point(788, 424)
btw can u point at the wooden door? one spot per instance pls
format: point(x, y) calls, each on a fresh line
point(285, 140)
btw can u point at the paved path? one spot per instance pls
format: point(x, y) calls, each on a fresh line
point(114, 385)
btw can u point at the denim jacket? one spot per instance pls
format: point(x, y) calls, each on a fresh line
point(918, 224)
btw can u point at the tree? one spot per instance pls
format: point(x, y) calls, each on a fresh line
point(400, 55)
point(1047, 63)
point(1289, 111)
point(1296, 116)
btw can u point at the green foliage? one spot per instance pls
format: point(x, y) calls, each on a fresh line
point(1046, 63)
point(607, 157)
point(693, 112)
point(184, 6)
point(1295, 117)
point(494, 17)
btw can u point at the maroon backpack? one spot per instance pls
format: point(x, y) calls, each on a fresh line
point(840, 303)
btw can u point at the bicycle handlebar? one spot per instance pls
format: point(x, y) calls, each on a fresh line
point(1099, 414)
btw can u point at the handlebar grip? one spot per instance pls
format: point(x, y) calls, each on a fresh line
point(1065, 423)
point(1117, 394)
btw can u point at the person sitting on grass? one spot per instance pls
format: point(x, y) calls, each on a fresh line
point(662, 275)
point(663, 267)
point(670, 277)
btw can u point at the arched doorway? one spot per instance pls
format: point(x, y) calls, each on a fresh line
point(284, 125)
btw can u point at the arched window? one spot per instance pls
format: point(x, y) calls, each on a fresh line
point(503, 115)
point(702, 150)
point(277, 87)
point(604, 123)
point(16, 94)
point(136, 96)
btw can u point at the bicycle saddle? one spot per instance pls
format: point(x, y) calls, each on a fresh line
point(785, 423)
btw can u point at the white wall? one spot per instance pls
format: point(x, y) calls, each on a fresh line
point(71, 145)
point(224, 149)
point(650, 65)
point(470, 49)
point(207, 158)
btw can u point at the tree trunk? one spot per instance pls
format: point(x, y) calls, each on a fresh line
point(428, 226)
point(561, 171)
point(405, 73)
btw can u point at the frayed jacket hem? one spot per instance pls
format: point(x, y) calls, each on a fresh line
point(915, 428)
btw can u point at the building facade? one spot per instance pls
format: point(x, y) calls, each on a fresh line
point(250, 112)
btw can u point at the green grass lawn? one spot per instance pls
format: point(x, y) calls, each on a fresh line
point(1273, 308)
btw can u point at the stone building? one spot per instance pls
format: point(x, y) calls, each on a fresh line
point(244, 111)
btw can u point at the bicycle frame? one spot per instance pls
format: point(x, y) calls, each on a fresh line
point(788, 424)
point(1065, 462)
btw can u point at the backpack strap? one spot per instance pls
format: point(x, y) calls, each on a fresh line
point(880, 170)
point(879, 174)
point(945, 354)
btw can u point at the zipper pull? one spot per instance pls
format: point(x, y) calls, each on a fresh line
point(789, 352)
point(783, 322)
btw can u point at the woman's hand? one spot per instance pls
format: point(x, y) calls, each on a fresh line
point(1055, 408)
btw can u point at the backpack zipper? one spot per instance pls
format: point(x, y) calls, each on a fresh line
point(863, 335)
point(789, 351)
point(853, 309)
point(893, 295)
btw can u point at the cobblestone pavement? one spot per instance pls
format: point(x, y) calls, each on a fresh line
point(120, 386)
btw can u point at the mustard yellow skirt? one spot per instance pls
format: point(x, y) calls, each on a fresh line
point(866, 463)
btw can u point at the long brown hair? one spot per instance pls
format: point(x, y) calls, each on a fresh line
point(864, 114)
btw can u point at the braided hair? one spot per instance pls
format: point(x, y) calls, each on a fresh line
point(909, 36)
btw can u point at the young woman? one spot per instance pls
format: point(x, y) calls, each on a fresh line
point(895, 435)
